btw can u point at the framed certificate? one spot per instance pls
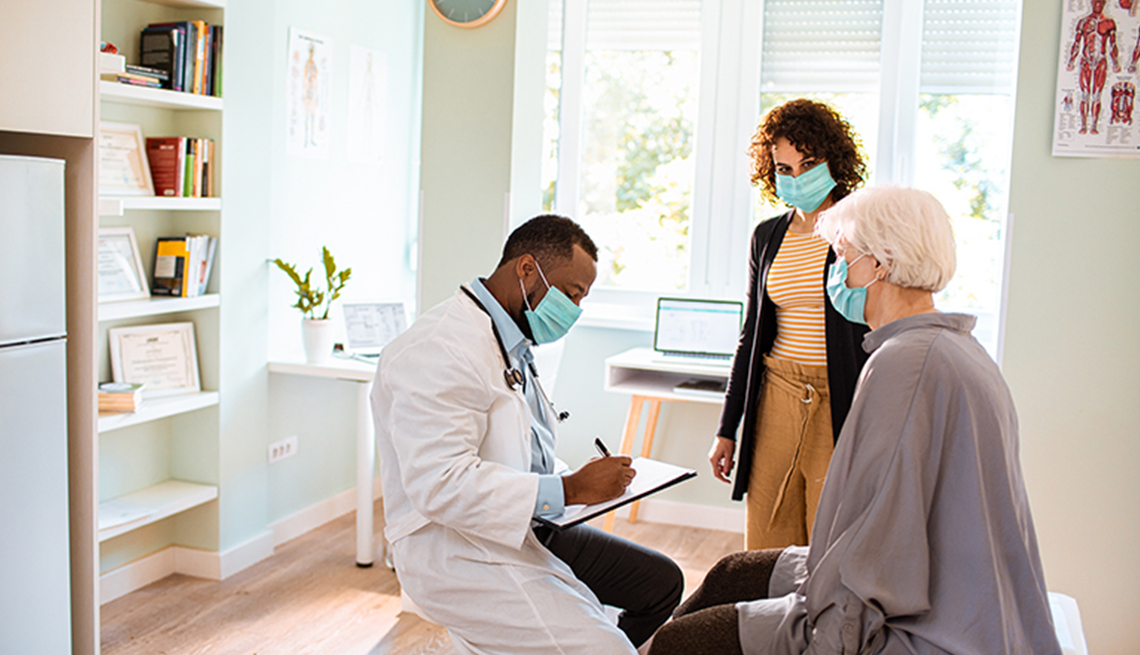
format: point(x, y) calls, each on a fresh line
point(120, 268)
point(123, 167)
point(163, 357)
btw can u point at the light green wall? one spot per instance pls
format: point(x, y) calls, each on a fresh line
point(1072, 349)
point(465, 175)
point(364, 213)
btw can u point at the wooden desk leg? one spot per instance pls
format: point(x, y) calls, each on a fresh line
point(646, 446)
point(631, 421)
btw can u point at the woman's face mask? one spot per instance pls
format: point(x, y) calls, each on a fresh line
point(850, 303)
point(555, 314)
point(807, 191)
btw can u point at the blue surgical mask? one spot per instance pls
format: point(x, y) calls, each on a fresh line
point(850, 303)
point(807, 191)
point(554, 316)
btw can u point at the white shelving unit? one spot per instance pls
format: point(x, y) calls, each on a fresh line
point(114, 311)
point(157, 408)
point(160, 424)
point(145, 506)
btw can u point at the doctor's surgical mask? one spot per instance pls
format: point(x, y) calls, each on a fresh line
point(555, 314)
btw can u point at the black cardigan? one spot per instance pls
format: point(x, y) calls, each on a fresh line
point(845, 355)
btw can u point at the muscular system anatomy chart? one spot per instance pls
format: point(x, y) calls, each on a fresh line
point(1096, 80)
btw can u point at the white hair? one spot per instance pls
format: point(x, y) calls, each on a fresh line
point(907, 230)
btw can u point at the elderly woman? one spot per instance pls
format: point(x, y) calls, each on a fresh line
point(923, 541)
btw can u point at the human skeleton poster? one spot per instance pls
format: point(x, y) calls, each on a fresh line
point(1096, 80)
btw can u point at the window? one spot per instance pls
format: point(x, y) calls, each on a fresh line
point(652, 103)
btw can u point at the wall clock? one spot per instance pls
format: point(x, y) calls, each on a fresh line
point(467, 13)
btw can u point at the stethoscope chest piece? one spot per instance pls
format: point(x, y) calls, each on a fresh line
point(514, 378)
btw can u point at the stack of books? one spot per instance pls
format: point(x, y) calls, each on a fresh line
point(189, 51)
point(120, 396)
point(182, 265)
point(140, 76)
point(181, 166)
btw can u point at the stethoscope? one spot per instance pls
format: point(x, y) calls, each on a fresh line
point(512, 375)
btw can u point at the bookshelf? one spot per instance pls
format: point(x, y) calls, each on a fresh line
point(155, 306)
point(151, 504)
point(116, 205)
point(156, 98)
point(156, 464)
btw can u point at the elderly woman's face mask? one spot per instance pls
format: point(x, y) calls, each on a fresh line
point(850, 303)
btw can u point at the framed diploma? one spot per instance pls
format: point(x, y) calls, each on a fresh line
point(120, 268)
point(123, 167)
point(163, 357)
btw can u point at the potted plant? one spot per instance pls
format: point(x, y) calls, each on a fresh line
point(316, 328)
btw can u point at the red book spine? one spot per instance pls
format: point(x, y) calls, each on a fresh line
point(162, 155)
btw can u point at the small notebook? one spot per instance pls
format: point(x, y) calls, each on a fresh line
point(652, 476)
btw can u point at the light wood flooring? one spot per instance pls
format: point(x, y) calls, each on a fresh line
point(311, 598)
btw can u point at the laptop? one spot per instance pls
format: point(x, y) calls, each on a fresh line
point(697, 331)
point(368, 327)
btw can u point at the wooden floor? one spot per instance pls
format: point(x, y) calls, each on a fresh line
point(311, 598)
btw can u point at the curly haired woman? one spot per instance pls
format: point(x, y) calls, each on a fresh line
point(798, 359)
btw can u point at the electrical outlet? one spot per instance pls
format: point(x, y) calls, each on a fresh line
point(279, 450)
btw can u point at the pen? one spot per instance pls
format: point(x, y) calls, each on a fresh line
point(601, 447)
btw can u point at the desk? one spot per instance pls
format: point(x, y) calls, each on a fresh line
point(642, 373)
point(361, 373)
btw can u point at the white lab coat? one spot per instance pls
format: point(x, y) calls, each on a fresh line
point(453, 440)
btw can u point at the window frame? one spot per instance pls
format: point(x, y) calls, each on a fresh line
point(728, 106)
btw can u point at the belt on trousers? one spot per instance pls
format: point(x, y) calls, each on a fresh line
point(811, 398)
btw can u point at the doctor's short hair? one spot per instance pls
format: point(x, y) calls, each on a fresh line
point(549, 238)
point(907, 230)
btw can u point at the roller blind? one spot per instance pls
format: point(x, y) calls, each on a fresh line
point(634, 25)
point(969, 46)
point(821, 46)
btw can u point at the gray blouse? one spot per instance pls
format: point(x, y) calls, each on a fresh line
point(923, 541)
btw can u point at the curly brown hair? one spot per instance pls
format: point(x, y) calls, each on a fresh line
point(816, 130)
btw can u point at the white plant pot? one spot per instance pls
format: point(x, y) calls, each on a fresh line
point(317, 335)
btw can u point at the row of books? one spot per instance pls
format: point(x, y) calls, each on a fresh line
point(189, 51)
point(181, 166)
point(182, 265)
point(120, 396)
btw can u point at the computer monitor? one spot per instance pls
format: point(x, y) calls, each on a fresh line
point(697, 327)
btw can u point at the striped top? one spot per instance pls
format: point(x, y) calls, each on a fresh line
point(795, 285)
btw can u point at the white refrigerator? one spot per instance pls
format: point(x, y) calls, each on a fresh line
point(35, 589)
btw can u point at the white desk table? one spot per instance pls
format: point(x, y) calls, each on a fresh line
point(650, 378)
point(361, 373)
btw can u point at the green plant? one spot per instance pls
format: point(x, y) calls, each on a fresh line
point(310, 299)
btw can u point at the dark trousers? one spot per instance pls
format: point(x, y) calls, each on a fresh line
point(645, 584)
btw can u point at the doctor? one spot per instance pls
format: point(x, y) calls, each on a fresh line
point(466, 440)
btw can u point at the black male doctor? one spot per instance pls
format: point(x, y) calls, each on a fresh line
point(465, 437)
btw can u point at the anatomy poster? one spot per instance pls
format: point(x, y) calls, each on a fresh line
point(1096, 80)
point(309, 94)
point(367, 102)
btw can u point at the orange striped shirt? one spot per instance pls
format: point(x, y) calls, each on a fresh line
point(795, 285)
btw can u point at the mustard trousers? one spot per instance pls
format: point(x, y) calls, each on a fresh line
point(793, 445)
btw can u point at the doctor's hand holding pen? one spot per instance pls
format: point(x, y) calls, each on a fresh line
point(599, 479)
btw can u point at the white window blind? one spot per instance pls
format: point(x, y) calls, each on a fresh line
point(643, 25)
point(969, 46)
point(821, 46)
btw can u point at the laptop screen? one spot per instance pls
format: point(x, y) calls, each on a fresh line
point(709, 327)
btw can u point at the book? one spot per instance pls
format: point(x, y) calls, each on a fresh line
point(206, 264)
point(188, 53)
point(120, 396)
point(164, 48)
point(147, 71)
point(652, 476)
point(162, 154)
point(171, 263)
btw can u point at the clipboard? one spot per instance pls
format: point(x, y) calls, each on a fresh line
point(652, 476)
